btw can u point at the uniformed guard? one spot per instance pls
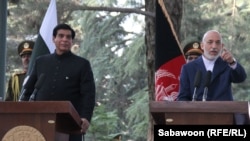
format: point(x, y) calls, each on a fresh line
point(192, 51)
point(117, 137)
point(16, 80)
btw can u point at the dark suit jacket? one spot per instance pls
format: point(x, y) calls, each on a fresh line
point(220, 87)
point(67, 78)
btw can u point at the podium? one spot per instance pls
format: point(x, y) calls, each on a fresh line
point(39, 120)
point(197, 112)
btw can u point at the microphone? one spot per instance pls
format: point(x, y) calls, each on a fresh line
point(207, 83)
point(26, 84)
point(197, 81)
point(38, 85)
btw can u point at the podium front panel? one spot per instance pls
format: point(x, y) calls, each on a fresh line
point(43, 123)
point(198, 119)
point(197, 112)
point(51, 120)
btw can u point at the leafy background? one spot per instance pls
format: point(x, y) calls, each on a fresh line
point(111, 34)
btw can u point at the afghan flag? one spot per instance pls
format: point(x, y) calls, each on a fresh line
point(44, 43)
point(169, 57)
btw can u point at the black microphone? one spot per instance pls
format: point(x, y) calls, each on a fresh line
point(197, 81)
point(207, 83)
point(38, 85)
point(28, 82)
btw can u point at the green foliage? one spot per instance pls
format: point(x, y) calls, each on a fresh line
point(118, 60)
point(103, 124)
point(138, 115)
point(118, 56)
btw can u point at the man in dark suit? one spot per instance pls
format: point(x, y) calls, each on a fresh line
point(223, 70)
point(67, 77)
point(220, 61)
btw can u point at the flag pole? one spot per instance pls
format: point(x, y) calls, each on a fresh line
point(3, 21)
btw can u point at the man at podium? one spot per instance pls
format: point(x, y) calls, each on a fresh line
point(209, 77)
point(63, 76)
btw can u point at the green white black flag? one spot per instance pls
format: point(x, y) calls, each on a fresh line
point(44, 43)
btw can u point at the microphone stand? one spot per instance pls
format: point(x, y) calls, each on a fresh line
point(204, 97)
point(194, 94)
point(207, 83)
point(196, 84)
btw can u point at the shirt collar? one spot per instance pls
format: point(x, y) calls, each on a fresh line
point(209, 64)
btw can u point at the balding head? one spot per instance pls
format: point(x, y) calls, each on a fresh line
point(211, 32)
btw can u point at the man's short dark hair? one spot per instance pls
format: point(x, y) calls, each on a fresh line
point(63, 26)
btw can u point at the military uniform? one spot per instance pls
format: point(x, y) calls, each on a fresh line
point(192, 48)
point(15, 82)
point(192, 51)
point(15, 86)
point(117, 137)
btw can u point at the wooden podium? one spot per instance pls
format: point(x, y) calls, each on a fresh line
point(40, 120)
point(197, 112)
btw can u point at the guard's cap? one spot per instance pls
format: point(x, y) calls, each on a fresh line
point(192, 48)
point(25, 47)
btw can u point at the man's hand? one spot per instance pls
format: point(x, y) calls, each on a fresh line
point(227, 56)
point(84, 125)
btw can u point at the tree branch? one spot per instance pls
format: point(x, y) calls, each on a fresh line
point(115, 9)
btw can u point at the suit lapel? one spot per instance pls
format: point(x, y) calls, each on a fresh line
point(219, 67)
